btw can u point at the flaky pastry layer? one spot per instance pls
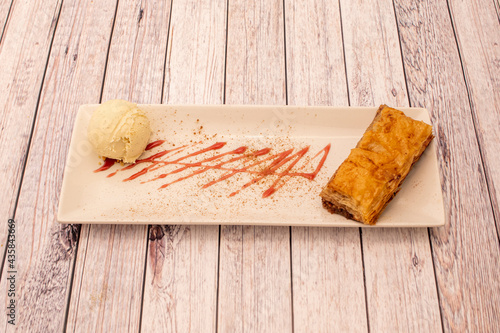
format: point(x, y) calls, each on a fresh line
point(374, 171)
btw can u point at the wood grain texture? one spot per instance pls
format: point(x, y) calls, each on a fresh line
point(254, 286)
point(373, 59)
point(328, 286)
point(400, 284)
point(109, 271)
point(327, 269)
point(23, 54)
point(196, 53)
point(5, 6)
point(180, 292)
point(315, 56)
point(478, 35)
point(46, 251)
point(181, 279)
point(255, 66)
point(466, 249)
point(107, 288)
point(254, 278)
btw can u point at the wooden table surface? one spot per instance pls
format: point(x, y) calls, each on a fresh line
point(58, 54)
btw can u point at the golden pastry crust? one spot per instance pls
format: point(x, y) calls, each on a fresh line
point(373, 172)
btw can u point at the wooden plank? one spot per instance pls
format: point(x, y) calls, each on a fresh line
point(46, 251)
point(181, 276)
point(400, 285)
point(108, 279)
point(254, 279)
point(327, 268)
point(255, 65)
point(466, 249)
point(24, 51)
point(328, 286)
point(315, 60)
point(373, 59)
point(478, 35)
point(107, 293)
point(5, 6)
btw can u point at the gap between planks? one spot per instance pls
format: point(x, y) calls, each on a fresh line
point(6, 20)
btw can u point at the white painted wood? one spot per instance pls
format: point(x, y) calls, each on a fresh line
point(24, 50)
point(255, 66)
point(478, 35)
point(254, 278)
point(400, 285)
point(373, 58)
point(328, 286)
point(46, 249)
point(137, 52)
point(107, 293)
point(108, 279)
point(4, 12)
point(196, 53)
point(254, 286)
point(327, 268)
point(181, 279)
point(315, 55)
point(181, 275)
point(466, 250)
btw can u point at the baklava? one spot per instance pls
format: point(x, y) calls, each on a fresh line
point(373, 172)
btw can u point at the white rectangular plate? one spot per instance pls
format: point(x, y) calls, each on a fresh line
point(90, 197)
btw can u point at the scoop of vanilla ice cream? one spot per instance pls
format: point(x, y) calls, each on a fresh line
point(119, 129)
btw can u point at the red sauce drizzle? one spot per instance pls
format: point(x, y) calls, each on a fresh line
point(148, 159)
point(249, 160)
point(240, 150)
point(108, 163)
point(154, 144)
point(218, 145)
